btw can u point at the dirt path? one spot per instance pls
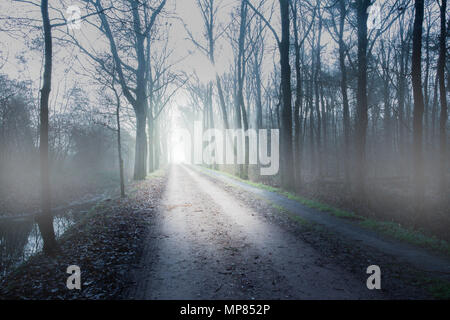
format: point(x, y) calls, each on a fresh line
point(404, 253)
point(204, 244)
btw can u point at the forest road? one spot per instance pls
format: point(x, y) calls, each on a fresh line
point(205, 244)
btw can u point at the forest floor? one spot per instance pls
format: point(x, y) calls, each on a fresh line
point(193, 234)
point(105, 244)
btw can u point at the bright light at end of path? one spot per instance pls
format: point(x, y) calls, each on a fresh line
point(179, 144)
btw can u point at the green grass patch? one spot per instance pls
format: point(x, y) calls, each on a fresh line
point(292, 216)
point(439, 289)
point(407, 234)
point(303, 223)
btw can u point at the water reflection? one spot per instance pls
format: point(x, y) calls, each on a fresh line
point(20, 238)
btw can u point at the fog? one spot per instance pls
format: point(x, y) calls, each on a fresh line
point(325, 106)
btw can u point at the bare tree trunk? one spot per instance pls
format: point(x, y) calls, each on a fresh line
point(401, 94)
point(211, 117)
point(258, 96)
point(362, 118)
point(419, 183)
point(238, 120)
point(45, 219)
point(119, 149)
point(241, 78)
point(258, 92)
point(157, 143)
point(434, 108)
point(298, 100)
point(151, 139)
point(246, 139)
point(150, 112)
point(346, 108)
point(325, 127)
point(287, 159)
point(140, 160)
point(317, 100)
point(443, 97)
point(425, 83)
point(312, 150)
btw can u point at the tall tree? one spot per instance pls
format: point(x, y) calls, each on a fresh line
point(419, 183)
point(287, 155)
point(402, 84)
point(361, 97)
point(286, 143)
point(298, 104)
point(45, 219)
point(119, 141)
point(317, 80)
point(345, 103)
point(443, 98)
point(241, 69)
point(142, 22)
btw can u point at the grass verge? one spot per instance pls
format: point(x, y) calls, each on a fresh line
point(388, 228)
point(437, 288)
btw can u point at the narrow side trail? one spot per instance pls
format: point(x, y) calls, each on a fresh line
point(205, 244)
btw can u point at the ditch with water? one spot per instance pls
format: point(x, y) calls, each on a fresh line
point(20, 237)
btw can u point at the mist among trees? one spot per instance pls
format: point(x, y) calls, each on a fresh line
point(96, 94)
